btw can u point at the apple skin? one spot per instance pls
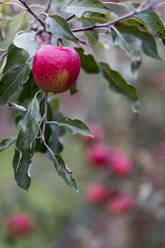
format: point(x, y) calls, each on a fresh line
point(96, 193)
point(121, 204)
point(18, 225)
point(98, 155)
point(98, 133)
point(119, 163)
point(56, 69)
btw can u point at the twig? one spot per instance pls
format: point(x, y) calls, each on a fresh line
point(48, 6)
point(32, 13)
point(3, 55)
point(70, 17)
point(83, 42)
point(126, 16)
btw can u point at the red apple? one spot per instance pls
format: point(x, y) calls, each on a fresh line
point(56, 69)
point(96, 193)
point(119, 163)
point(121, 204)
point(97, 131)
point(98, 155)
point(18, 225)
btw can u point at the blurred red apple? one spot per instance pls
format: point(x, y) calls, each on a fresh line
point(56, 69)
point(121, 204)
point(98, 155)
point(119, 163)
point(96, 193)
point(18, 225)
point(97, 131)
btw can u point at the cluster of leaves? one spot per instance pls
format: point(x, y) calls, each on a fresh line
point(135, 36)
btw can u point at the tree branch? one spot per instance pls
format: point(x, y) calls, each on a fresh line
point(70, 17)
point(124, 17)
point(47, 9)
point(32, 13)
point(3, 55)
point(48, 6)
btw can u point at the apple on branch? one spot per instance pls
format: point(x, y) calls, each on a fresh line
point(56, 69)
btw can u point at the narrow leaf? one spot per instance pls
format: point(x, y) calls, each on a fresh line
point(16, 24)
point(59, 27)
point(88, 62)
point(74, 89)
point(150, 19)
point(80, 7)
point(118, 84)
point(12, 81)
point(147, 41)
point(15, 73)
point(27, 41)
point(63, 171)
point(25, 144)
point(75, 126)
point(5, 143)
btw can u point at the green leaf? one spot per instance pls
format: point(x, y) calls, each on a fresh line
point(135, 64)
point(92, 36)
point(147, 41)
point(75, 126)
point(80, 7)
point(150, 19)
point(16, 24)
point(12, 81)
point(27, 41)
point(119, 41)
point(25, 144)
point(59, 27)
point(74, 89)
point(54, 140)
point(118, 84)
point(17, 107)
point(5, 143)
point(15, 58)
point(40, 147)
point(1, 36)
point(15, 73)
point(96, 17)
point(28, 91)
point(88, 62)
point(63, 171)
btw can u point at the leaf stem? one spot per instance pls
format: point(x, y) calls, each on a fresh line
point(124, 17)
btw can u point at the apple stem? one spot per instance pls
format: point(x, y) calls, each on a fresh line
point(45, 118)
point(59, 40)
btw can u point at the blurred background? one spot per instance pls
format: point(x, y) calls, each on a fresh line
point(117, 207)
